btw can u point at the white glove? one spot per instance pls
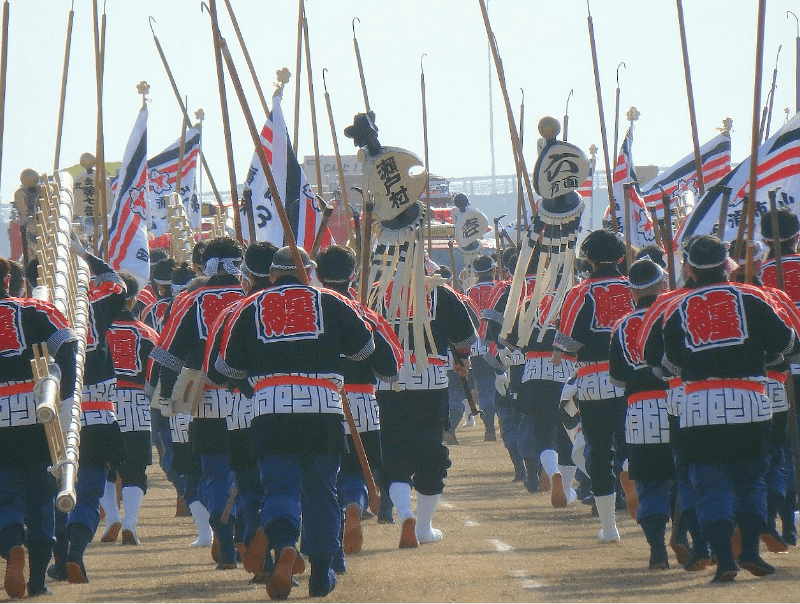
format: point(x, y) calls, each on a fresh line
point(76, 246)
point(501, 382)
point(506, 356)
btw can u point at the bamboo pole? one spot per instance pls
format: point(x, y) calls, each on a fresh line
point(63, 97)
point(698, 160)
point(327, 210)
point(339, 169)
point(425, 148)
point(626, 199)
point(366, 251)
point(226, 129)
point(796, 62)
point(566, 116)
point(247, 57)
point(181, 153)
point(360, 65)
point(262, 156)
point(615, 149)
point(312, 102)
point(179, 98)
point(298, 69)
point(515, 142)
point(520, 193)
point(790, 391)
point(668, 241)
point(3, 70)
point(771, 99)
point(751, 210)
point(612, 209)
point(100, 168)
point(723, 212)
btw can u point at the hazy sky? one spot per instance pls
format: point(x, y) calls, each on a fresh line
point(544, 46)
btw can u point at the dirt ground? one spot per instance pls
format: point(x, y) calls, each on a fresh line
point(501, 544)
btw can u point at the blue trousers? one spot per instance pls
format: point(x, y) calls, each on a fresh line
point(301, 486)
point(89, 488)
point(653, 498)
point(248, 501)
point(216, 483)
point(352, 488)
point(777, 476)
point(727, 489)
point(484, 377)
point(27, 494)
point(162, 438)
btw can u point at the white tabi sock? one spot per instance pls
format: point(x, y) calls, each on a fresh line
point(426, 508)
point(549, 459)
point(109, 503)
point(200, 517)
point(132, 500)
point(400, 494)
point(568, 475)
point(606, 509)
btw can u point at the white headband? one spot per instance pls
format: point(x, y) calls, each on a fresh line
point(229, 265)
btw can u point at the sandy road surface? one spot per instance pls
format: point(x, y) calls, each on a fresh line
point(501, 544)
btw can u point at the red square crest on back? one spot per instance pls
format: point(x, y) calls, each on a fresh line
point(714, 318)
point(12, 340)
point(294, 313)
point(611, 302)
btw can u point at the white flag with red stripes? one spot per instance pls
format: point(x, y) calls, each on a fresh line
point(162, 172)
point(778, 166)
point(715, 158)
point(127, 231)
point(297, 196)
point(642, 231)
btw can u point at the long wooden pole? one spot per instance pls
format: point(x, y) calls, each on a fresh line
point(3, 69)
point(181, 153)
point(360, 65)
point(626, 204)
point(313, 105)
point(100, 175)
point(226, 128)
point(298, 68)
point(751, 209)
point(790, 391)
point(668, 242)
point(723, 212)
point(698, 160)
point(612, 206)
point(615, 149)
point(515, 142)
point(796, 62)
point(427, 161)
point(247, 57)
point(771, 100)
point(63, 97)
point(339, 170)
point(262, 156)
point(185, 112)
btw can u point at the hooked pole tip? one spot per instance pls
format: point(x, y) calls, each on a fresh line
point(151, 19)
point(353, 25)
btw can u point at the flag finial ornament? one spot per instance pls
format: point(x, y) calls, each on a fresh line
point(282, 78)
point(633, 114)
point(87, 161)
point(727, 124)
point(593, 150)
point(199, 115)
point(143, 88)
point(549, 127)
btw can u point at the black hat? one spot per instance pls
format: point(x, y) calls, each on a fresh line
point(654, 253)
point(284, 261)
point(788, 225)
point(645, 273)
point(483, 265)
point(707, 251)
point(603, 246)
